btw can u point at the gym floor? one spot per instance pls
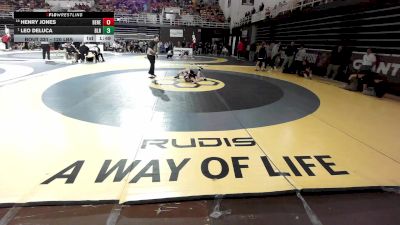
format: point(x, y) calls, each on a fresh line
point(101, 143)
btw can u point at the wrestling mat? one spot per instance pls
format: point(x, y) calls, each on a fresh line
point(92, 133)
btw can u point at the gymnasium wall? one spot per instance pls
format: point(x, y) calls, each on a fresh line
point(202, 34)
point(187, 34)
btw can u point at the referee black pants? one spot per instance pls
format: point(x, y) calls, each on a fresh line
point(46, 50)
point(152, 60)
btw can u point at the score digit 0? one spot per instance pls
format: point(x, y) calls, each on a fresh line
point(108, 21)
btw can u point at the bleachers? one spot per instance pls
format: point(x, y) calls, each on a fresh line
point(136, 33)
point(154, 20)
point(282, 8)
point(357, 25)
point(5, 8)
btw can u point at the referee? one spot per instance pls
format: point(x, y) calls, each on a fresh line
point(151, 55)
point(45, 49)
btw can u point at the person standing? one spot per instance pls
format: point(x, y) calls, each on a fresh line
point(6, 38)
point(240, 49)
point(45, 49)
point(215, 49)
point(166, 46)
point(262, 54)
point(289, 53)
point(300, 58)
point(253, 48)
point(268, 56)
point(275, 53)
point(337, 60)
point(200, 48)
point(159, 48)
point(151, 55)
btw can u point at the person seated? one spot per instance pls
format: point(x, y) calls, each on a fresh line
point(225, 51)
point(170, 54)
point(369, 83)
point(374, 85)
point(83, 51)
point(380, 85)
point(305, 70)
point(71, 51)
point(354, 82)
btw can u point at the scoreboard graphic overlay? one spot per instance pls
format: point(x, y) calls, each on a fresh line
point(64, 27)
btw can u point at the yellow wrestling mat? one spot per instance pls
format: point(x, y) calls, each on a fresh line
point(53, 154)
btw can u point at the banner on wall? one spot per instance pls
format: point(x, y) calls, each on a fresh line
point(176, 33)
point(180, 51)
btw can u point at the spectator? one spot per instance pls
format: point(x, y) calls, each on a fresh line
point(268, 56)
point(159, 47)
point(336, 60)
point(225, 51)
point(261, 7)
point(300, 59)
point(275, 54)
point(365, 76)
point(83, 52)
point(262, 54)
point(240, 49)
point(253, 48)
point(166, 46)
point(369, 60)
point(72, 51)
point(377, 86)
point(306, 70)
point(257, 50)
point(369, 83)
point(6, 39)
point(170, 54)
point(200, 48)
point(289, 57)
point(214, 49)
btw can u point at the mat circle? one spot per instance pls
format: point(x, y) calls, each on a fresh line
point(124, 98)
